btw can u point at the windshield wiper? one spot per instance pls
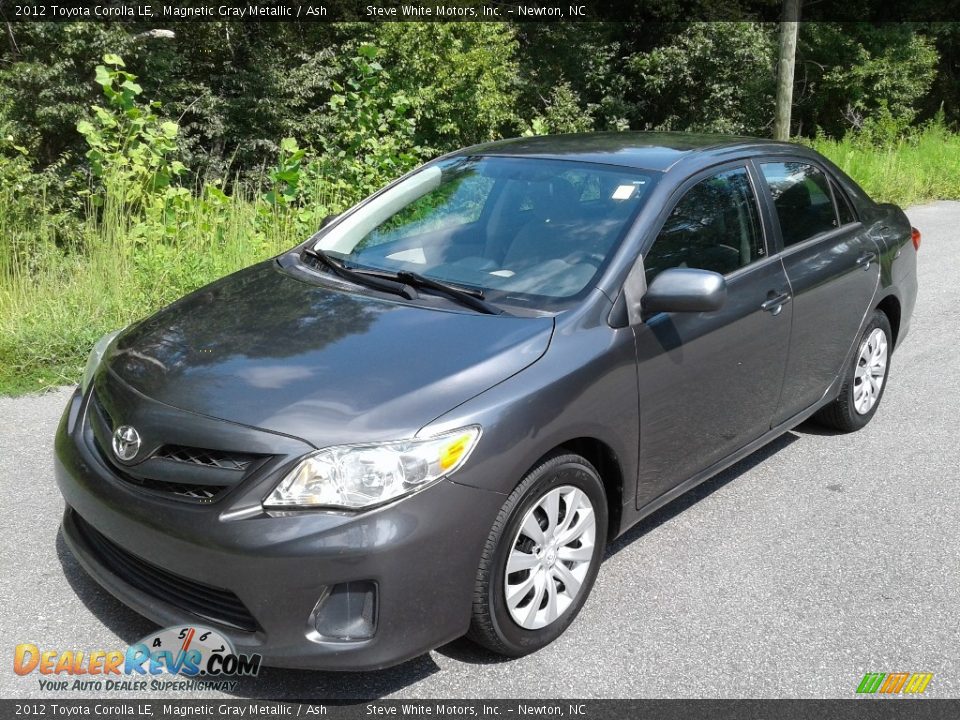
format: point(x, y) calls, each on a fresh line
point(405, 283)
point(372, 281)
point(469, 298)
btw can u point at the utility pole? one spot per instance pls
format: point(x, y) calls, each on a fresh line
point(788, 55)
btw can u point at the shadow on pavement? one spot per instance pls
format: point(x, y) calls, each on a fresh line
point(811, 427)
point(465, 651)
point(695, 495)
point(117, 617)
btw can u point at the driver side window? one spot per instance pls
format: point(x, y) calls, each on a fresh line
point(715, 226)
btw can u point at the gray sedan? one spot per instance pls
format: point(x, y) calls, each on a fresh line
point(430, 418)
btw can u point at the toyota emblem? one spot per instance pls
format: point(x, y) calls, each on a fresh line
point(126, 442)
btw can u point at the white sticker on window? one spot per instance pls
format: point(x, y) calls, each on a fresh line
point(624, 192)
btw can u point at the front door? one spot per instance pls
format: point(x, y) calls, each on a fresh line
point(833, 267)
point(709, 382)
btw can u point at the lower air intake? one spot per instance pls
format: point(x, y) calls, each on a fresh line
point(205, 601)
point(348, 613)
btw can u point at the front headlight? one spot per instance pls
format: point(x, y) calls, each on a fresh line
point(96, 355)
point(360, 476)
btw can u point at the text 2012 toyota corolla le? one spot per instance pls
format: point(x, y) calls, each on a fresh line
point(430, 418)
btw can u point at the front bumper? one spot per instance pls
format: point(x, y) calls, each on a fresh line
point(421, 552)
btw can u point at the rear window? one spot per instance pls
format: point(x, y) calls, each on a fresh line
point(801, 195)
point(844, 209)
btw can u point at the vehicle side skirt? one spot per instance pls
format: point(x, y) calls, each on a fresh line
point(731, 459)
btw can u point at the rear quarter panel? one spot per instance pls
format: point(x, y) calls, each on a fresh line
point(890, 228)
point(898, 261)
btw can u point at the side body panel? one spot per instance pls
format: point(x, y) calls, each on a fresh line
point(709, 382)
point(833, 278)
point(584, 387)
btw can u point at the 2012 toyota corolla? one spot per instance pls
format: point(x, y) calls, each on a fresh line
point(430, 418)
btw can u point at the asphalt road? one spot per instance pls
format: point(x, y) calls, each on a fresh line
point(813, 561)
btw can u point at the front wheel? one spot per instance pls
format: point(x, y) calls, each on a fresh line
point(541, 558)
point(865, 381)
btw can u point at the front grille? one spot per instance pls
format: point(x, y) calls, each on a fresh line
point(104, 415)
point(188, 492)
point(197, 475)
point(208, 602)
point(184, 491)
point(207, 458)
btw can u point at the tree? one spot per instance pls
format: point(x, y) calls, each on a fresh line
point(461, 77)
point(788, 54)
point(852, 73)
point(709, 77)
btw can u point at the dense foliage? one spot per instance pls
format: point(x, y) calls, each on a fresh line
point(237, 89)
point(135, 166)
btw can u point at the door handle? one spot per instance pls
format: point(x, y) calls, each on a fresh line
point(865, 260)
point(775, 304)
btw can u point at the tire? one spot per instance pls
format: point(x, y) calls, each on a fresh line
point(844, 413)
point(499, 626)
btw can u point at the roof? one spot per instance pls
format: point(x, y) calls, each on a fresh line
point(642, 150)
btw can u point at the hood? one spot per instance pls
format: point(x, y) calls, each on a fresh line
point(266, 349)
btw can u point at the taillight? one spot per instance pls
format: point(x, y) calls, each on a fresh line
point(915, 236)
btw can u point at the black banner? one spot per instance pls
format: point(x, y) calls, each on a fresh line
point(859, 709)
point(160, 11)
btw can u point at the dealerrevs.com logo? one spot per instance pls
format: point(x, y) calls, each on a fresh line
point(201, 657)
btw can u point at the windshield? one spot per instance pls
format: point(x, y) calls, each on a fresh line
point(523, 230)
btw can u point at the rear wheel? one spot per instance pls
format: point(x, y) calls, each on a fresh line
point(865, 381)
point(541, 558)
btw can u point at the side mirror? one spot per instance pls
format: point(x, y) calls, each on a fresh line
point(327, 220)
point(685, 290)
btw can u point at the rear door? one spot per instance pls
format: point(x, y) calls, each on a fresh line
point(833, 268)
point(709, 382)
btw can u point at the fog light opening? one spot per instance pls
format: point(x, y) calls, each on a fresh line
point(347, 612)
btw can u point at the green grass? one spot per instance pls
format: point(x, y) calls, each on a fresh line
point(910, 171)
point(65, 281)
point(55, 302)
